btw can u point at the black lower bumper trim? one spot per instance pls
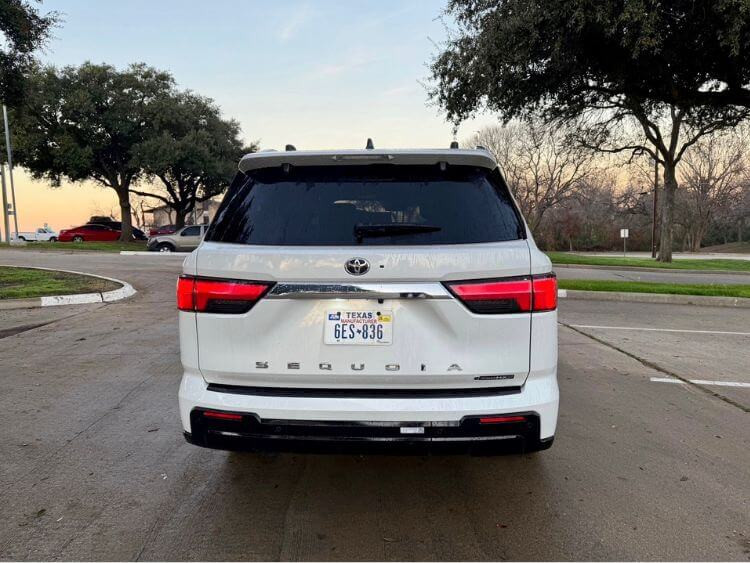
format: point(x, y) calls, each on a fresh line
point(249, 432)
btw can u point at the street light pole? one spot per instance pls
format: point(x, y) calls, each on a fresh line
point(10, 168)
point(6, 223)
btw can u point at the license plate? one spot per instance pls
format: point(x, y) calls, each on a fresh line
point(362, 328)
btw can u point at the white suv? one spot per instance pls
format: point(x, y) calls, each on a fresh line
point(368, 298)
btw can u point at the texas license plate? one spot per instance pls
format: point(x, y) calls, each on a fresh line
point(363, 328)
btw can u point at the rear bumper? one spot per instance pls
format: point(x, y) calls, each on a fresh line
point(468, 436)
point(307, 422)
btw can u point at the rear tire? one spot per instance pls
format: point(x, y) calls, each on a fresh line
point(53, 239)
point(78, 238)
point(165, 247)
point(22, 238)
point(533, 446)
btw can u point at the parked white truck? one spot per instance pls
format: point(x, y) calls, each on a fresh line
point(42, 234)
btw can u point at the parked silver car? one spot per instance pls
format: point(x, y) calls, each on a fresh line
point(185, 239)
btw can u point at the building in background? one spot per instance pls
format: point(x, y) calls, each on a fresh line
point(164, 215)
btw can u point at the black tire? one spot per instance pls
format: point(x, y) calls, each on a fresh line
point(533, 446)
point(78, 238)
point(53, 239)
point(22, 238)
point(165, 247)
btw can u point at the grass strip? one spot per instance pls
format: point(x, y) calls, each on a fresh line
point(25, 283)
point(81, 246)
point(711, 290)
point(677, 264)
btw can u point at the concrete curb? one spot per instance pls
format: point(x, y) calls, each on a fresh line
point(646, 269)
point(126, 290)
point(147, 253)
point(667, 298)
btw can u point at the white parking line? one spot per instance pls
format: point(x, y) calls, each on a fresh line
point(645, 329)
point(701, 382)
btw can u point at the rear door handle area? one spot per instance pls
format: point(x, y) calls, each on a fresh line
point(359, 291)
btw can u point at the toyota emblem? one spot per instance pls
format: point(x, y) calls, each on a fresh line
point(357, 266)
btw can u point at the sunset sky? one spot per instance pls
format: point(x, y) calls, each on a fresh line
point(318, 74)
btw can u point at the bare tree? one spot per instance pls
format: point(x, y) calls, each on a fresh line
point(623, 124)
point(712, 173)
point(540, 165)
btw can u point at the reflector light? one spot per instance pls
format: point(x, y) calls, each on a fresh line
point(222, 415)
point(218, 296)
point(501, 419)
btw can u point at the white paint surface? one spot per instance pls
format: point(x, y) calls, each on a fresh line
point(78, 299)
point(701, 382)
point(649, 329)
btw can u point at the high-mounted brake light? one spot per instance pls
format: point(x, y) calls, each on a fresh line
point(509, 295)
point(218, 296)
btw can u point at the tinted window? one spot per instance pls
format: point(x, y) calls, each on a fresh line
point(191, 232)
point(331, 205)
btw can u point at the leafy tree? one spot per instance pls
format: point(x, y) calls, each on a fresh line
point(83, 123)
point(662, 67)
point(193, 152)
point(23, 30)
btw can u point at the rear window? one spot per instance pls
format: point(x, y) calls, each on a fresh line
point(368, 205)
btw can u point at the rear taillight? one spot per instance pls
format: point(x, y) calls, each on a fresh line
point(508, 295)
point(218, 296)
point(544, 288)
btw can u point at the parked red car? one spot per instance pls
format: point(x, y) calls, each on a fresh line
point(163, 230)
point(88, 233)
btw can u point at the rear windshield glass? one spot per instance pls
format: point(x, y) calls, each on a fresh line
point(368, 205)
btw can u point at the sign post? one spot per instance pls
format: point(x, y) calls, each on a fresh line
point(624, 233)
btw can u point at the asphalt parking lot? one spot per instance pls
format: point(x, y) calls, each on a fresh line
point(646, 464)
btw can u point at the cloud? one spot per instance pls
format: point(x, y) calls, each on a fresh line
point(353, 62)
point(403, 90)
point(293, 24)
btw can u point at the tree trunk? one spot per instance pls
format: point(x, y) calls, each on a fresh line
point(179, 220)
point(700, 232)
point(126, 233)
point(667, 212)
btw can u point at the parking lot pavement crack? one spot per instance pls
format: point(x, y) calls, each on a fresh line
point(297, 521)
point(6, 332)
point(657, 367)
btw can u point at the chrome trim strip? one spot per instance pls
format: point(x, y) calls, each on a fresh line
point(358, 291)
